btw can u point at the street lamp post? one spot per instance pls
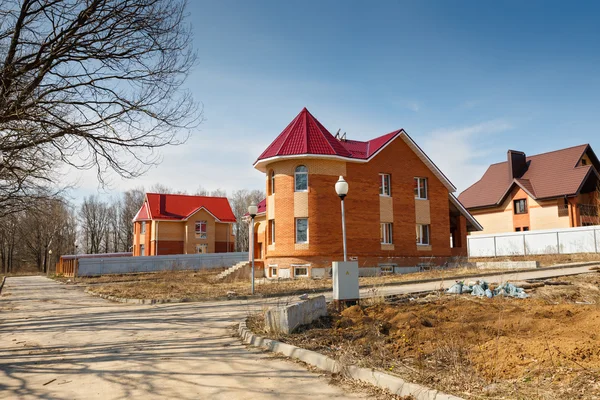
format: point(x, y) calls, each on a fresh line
point(341, 188)
point(252, 210)
point(49, 262)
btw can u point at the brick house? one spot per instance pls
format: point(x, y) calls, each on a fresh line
point(182, 224)
point(552, 190)
point(400, 210)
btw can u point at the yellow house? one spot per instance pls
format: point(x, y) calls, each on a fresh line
point(182, 224)
point(545, 191)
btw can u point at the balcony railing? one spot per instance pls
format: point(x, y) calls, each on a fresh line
point(563, 210)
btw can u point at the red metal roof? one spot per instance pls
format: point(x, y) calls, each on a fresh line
point(142, 214)
point(178, 207)
point(306, 135)
point(548, 175)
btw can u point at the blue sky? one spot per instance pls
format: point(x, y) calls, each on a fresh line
point(467, 80)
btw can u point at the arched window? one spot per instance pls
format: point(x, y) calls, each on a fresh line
point(301, 179)
point(272, 182)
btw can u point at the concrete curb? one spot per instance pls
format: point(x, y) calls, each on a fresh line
point(394, 384)
point(325, 290)
point(2, 283)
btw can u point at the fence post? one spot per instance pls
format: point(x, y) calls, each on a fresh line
point(524, 245)
point(557, 243)
point(495, 248)
point(595, 241)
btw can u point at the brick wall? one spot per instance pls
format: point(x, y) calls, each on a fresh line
point(363, 210)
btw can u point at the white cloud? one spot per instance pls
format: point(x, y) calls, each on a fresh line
point(459, 152)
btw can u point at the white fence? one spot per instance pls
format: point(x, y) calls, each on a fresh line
point(584, 239)
point(124, 265)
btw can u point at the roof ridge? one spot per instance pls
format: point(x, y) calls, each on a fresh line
point(555, 151)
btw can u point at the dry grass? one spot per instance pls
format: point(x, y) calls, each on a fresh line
point(545, 347)
point(546, 260)
point(200, 285)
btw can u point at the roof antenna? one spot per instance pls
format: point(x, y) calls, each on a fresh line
point(337, 134)
point(344, 136)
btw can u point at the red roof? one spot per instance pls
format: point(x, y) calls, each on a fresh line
point(306, 135)
point(547, 175)
point(178, 207)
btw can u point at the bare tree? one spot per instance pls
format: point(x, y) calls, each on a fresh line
point(91, 84)
point(218, 193)
point(240, 200)
point(132, 201)
point(93, 215)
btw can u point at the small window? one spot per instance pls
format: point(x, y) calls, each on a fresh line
point(273, 271)
point(272, 182)
point(301, 179)
point(420, 188)
point(142, 250)
point(386, 269)
point(386, 233)
point(202, 248)
point(520, 206)
point(583, 161)
point(518, 229)
point(385, 185)
point(143, 229)
point(271, 231)
point(300, 271)
point(422, 234)
point(525, 228)
point(301, 230)
point(201, 229)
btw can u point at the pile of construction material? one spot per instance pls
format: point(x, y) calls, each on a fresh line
point(516, 289)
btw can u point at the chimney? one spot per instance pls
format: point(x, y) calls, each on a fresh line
point(517, 164)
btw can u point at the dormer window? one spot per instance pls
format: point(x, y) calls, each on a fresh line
point(301, 179)
point(583, 161)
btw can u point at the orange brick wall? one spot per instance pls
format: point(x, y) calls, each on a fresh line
point(362, 210)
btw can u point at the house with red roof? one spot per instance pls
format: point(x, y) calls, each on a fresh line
point(552, 190)
point(400, 209)
point(181, 224)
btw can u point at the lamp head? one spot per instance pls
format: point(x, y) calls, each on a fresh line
point(341, 187)
point(252, 209)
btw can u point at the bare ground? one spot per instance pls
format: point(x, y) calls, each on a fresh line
point(545, 347)
point(200, 285)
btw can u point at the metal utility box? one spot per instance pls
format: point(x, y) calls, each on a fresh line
point(345, 280)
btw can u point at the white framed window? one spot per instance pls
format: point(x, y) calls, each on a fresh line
point(300, 270)
point(202, 248)
point(386, 233)
point(200, 229)
point(520, 206)
point(301, 230)
point(273, 270)
point(142, 250)
point(385, 185)
point(422, 234)
point(143, 228)
point(272, 181)
point(271, 231)
point(301, 179)
point(420, 188)
point(387, 269)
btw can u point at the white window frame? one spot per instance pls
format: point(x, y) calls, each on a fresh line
point(420, 195)
point(296, 174)
point(272, 230)
point(385, 188)
point(387, 268)
point(387, 233)
point(304, 266)
point(525, 208)
point(198, 232)
point(200, 246)
point(272, 181)
point(143, 228)
point(419, 232)
point(142, 250)
point(296, 231)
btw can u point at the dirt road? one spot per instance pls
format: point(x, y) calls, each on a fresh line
point(57, 342)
